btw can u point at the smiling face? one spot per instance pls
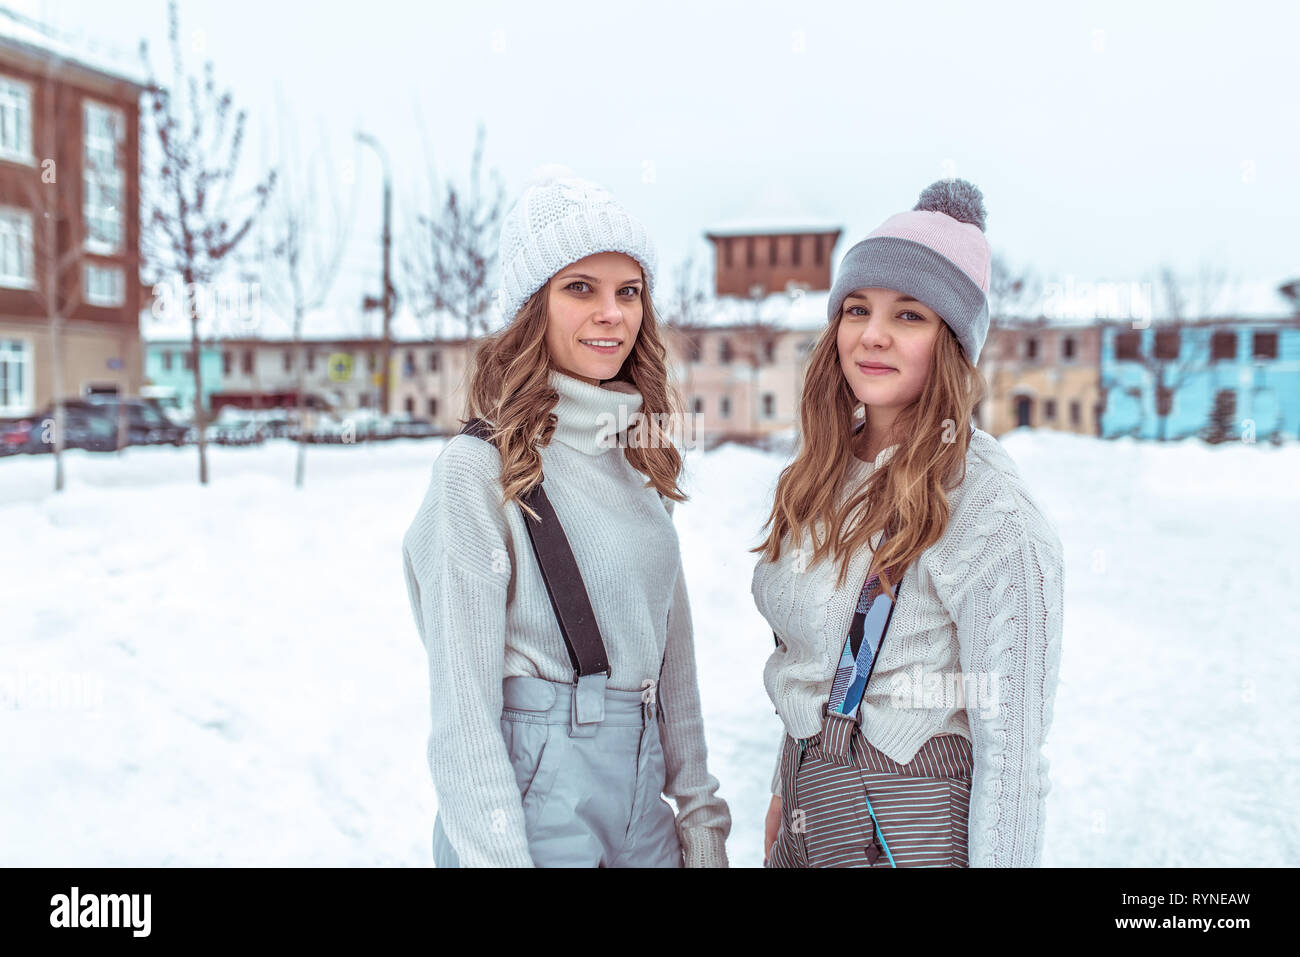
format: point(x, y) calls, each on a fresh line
point(594, 314)
point(882, 327)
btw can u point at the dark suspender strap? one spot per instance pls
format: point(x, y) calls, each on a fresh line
point(560, 573)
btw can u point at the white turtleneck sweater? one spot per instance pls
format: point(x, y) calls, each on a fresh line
point(483, 613)
point(983, 604)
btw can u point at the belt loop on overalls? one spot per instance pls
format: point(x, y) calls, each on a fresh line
point(587, 705)
point(649, 698)
point(837, 737)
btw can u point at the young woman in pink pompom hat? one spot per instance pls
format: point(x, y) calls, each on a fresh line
point(913, 583)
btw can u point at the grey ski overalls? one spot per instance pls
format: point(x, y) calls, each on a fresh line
point(590, 767)
point(587, 758)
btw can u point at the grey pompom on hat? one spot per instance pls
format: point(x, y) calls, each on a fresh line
point(957, 198)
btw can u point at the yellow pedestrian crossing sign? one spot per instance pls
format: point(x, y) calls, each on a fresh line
point(341, 367)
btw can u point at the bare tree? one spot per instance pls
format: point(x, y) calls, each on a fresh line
point(688, 295)
point(1009, 290)
point(306, 229)
point(1167, 364)
point(451, 250)
point(188, 233)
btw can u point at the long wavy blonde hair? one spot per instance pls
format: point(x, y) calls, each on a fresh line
point(510, 389)
point(907, 494)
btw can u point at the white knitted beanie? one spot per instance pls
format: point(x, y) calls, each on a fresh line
point(559, 219)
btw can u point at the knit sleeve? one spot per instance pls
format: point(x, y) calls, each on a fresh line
point(457, 567)
point(703, 818)
point(1008, 612)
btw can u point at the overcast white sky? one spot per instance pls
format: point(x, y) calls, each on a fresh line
point(1108, 138)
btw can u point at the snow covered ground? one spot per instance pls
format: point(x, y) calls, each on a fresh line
point(258, 694)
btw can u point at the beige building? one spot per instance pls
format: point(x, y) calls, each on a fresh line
point(1042, 375)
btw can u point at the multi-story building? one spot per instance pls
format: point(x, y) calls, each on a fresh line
point(427, 378)
point(69, 157)
point(1041, 374)
point(1166, 380)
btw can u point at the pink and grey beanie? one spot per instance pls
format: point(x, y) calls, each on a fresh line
point(937, 253)
point(559, 219)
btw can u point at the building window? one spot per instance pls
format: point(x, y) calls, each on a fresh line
point(248, 362)
point(1067, 347)
point(372, 361)
point(724, 407)
point(1223, 345)
point(819, 254)
point(698, 405)
point(103, 180)
point(16, 248)
point(311, 360)
point(769, 405)
point(1076, 412)
point(433, 408)
point(769, 351)
point(726, 252)
point(1167, 343)
point(188, 364)
point(226, 362)
point(435, 361)
point(15, 120)
point(1265, 345)
point(409, 405)
point(749, 251)
point(796, 242)
point(1031, 349)
point(288, 360)
point(15, 377)
point(771, 250)
point(104, 286)
point(1128, 345)
point(408, 365)
point(167, 360)
point(1049, 410)
point(724, 351)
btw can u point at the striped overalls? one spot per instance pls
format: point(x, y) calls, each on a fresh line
point(827, 780)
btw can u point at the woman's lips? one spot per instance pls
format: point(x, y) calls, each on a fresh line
point(869, 370)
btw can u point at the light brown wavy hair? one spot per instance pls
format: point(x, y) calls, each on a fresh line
point(907, 494)
point(510, 389)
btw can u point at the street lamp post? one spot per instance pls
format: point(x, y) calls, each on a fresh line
point(387, 300)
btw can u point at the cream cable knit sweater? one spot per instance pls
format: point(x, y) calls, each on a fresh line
point(483, 613)
point(984, 604)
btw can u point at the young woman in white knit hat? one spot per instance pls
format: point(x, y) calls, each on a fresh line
point(562, 670)
point(913, 583)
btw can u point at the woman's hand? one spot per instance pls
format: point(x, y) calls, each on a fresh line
point(771, 826)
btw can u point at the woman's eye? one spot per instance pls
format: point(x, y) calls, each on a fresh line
point(861, 311)
point(631, 290)
point(577, 282)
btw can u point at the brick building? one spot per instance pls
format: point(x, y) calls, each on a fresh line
point(69, 158)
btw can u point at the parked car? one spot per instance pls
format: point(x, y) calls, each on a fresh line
point(236, 426)
point(85, 427)
point(412, 428)
point(145, 422)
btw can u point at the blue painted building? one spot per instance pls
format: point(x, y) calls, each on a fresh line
point(167, 364)
point(1164, 381)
